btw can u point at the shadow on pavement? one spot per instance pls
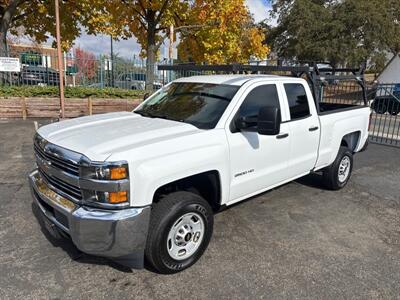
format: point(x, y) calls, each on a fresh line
point(65, 243)
point(313, 180)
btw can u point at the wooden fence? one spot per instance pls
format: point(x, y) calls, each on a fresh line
point(50, 107)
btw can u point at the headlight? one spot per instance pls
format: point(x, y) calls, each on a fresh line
point(112, 173)
point(106, 171)
point(110, 187)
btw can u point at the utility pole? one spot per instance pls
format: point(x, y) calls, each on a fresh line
point(60, 61)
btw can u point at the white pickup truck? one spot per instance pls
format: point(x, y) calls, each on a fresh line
point(145, 184)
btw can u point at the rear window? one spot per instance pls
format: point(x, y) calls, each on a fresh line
point(298, 102)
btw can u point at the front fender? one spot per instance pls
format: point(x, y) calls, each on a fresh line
point(156, 172)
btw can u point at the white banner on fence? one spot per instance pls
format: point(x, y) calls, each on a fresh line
point(9, 64)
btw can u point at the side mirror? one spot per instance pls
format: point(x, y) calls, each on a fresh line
point(145, 96)
point(269, 120)
point(245, 122)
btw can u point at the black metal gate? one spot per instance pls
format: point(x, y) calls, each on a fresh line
point(385, 121)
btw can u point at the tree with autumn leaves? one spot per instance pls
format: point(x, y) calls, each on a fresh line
point(210, 30)
point(36, 18)
point(226, 34)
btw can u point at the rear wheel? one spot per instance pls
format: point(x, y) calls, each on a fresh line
point(338, 174)
point(181, 226)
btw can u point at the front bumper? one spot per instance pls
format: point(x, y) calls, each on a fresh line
point(118, 234)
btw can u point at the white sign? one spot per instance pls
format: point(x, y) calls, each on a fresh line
point(9, 64)
point(107, 64)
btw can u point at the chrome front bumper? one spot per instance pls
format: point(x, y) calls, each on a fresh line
point(117, 234)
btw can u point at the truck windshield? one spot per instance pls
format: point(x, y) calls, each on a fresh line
point(199, 104)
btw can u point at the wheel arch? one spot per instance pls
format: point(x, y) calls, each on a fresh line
point(351, 140)
point(206, 184)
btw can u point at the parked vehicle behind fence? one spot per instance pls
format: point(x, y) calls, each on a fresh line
point(35, 75)
point(387, 99)
point(134, 81)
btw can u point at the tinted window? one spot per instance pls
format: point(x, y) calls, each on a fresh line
point(297, 98)
point(264, 95)
point(200, 104)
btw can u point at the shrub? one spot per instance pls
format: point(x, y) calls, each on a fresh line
point(70, 92)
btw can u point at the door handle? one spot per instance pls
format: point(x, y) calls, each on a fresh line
point(313, 128)
point(282, 136)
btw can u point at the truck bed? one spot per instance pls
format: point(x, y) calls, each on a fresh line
point(325, 108)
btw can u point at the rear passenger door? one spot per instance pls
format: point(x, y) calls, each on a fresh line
point(304, 129)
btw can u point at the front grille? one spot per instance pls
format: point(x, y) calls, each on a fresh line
point(58, 162)
point(62, 187)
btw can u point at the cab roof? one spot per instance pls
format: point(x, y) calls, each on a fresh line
point(234, 79)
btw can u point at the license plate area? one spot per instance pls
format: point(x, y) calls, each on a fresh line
point(60, 217)
point(51, 228)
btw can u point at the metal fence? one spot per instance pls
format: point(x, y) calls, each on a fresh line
point(385, 120)
point(41, 69)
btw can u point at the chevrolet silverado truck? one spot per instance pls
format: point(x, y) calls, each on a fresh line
point(144, 185)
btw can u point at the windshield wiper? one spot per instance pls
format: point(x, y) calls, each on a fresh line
point(143, 113)
point(156, 115)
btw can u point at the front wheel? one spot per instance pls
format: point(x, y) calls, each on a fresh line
point(338, 173)
point(181, 226)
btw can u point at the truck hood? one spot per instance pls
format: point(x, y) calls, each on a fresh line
point(100, 136)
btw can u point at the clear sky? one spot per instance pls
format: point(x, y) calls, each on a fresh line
point(100, 44)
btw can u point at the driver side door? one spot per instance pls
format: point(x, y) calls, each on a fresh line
point(257, 162)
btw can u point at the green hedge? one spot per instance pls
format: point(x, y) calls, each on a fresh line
point(70, 92)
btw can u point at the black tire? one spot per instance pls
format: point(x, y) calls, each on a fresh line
point(379, 106)
point(394, 108)
point(331, 177)
point(164, 215)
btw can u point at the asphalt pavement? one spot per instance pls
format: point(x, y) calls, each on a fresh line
point(298, 241)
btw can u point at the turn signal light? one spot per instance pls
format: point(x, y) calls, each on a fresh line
point(118, 173)
point(118, 197)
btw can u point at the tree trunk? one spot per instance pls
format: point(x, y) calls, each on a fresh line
point(5, 22)
point(3, 40)
point(150, 66)
point(4, 25)
point(151, 56)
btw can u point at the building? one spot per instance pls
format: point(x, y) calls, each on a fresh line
point(391, 72)
point(35, 55)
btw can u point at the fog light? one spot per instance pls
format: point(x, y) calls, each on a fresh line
point(118, 197)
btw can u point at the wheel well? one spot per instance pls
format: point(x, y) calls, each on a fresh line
point(206, 185)
point(350, 140)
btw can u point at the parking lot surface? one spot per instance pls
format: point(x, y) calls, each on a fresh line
point(297, 241)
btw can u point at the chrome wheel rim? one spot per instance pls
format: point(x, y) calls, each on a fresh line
point(344, 169)
point(185, 236)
